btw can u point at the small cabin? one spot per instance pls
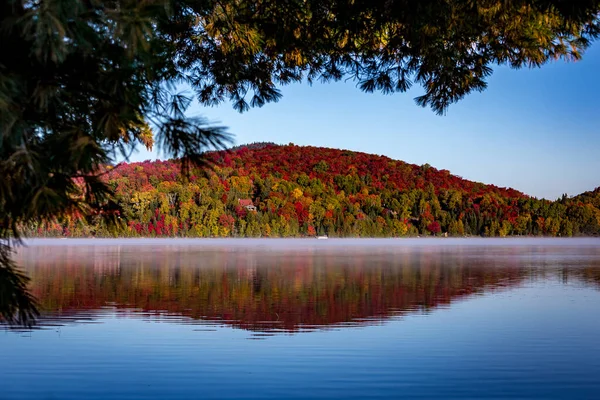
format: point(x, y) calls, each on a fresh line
point(247, 204)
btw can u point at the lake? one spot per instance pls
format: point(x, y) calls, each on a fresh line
point(306, 318)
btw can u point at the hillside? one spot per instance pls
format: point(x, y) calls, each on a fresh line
point(279, 191)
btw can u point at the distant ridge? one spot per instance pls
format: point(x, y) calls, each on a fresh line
point(269, 190)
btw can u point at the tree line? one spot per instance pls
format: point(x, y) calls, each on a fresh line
point(267, 190)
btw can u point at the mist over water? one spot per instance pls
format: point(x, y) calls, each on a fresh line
point(269, 318)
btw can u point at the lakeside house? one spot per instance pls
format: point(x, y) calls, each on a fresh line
point(247, 204)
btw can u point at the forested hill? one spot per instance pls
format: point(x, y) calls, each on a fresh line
point(279, 191)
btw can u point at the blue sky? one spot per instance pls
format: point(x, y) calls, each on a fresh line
point(536, 130)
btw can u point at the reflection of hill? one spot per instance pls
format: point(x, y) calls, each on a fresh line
point(264, 291)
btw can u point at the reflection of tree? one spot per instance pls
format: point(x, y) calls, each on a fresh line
point(286, 290)
point(17, 305)
point(588, 275)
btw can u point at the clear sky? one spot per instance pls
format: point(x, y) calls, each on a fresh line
point(536, 130)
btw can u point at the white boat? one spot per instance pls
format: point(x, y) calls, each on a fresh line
point(322, 237)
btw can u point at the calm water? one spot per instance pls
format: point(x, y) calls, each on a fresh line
point(170, 319)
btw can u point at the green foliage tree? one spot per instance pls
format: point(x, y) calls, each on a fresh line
point(17, 305)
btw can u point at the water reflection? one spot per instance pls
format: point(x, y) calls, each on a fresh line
point(266, 288)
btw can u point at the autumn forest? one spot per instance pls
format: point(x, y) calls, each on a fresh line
point(268, 190)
